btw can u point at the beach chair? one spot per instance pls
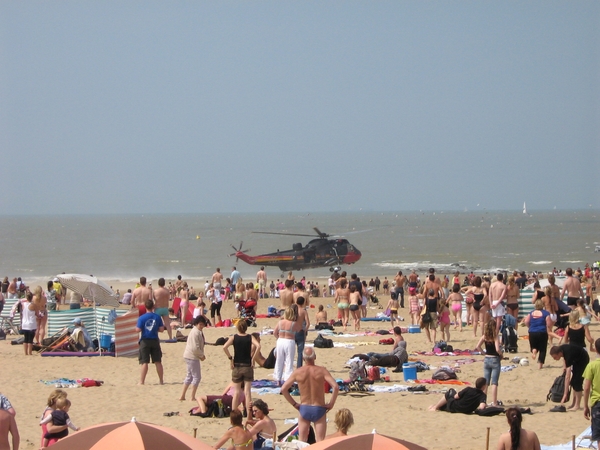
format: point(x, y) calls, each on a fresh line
point(7, 324)
point(57, 342)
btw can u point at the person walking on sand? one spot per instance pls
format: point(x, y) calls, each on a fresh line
point(455, 300)
point(312, 406)
point(149, 325)
point(591, 393)
point(517, 438)
point(161, 303)
point(571, 287)
point(399, 289)
point(575, 361)
point(8, 425)
point(193, 354)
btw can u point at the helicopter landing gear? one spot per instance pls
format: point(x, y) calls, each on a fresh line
point(336, 268)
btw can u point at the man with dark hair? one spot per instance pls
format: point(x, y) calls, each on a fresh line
point(301, 334)
point(141, 294)
point(149, 325)
point(287, 295)
point(571, 287)
point(261, 279)
point(399, 290)
point(497, 295)
point(466, 401)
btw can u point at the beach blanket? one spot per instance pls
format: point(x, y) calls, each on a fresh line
point(452, 353)
point(66, 382)
point(454, 382)
point(265, 383)
point(581, 441)
point(266, 390)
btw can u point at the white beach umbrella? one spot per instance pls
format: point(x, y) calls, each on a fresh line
point(89, 287)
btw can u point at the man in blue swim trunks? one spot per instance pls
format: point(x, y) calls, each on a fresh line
point(312, 406)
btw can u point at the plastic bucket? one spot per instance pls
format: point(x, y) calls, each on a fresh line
point(410, 371)
point(105, 341)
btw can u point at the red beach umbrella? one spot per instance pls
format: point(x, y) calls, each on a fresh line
point(365, 442)
point(131, 436)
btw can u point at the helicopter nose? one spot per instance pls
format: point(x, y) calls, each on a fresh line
point(353, 256)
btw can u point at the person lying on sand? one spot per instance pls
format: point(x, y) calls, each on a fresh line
point(466, 401)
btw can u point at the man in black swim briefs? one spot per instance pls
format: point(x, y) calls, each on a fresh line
point(312, 406)
point(571, 287)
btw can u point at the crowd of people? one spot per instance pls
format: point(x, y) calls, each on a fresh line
point(432, 303)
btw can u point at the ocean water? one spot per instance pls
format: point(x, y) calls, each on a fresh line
point(123, 247)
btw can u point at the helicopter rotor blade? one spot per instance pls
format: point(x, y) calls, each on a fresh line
point(283, 234)
point(320, 233)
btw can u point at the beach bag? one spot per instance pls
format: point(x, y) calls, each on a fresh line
point(358, 370)
point(221, 341)
point(444, 374)
point(426, 317)
point(596, 306)
point(270, 360)
point(558, 389)
point(321, 342)
point(373, 373)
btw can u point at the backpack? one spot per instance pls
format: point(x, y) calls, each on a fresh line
point(558, 389)
point(510, 340)
point(321, 342)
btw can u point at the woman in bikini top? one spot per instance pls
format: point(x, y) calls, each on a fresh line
point(240, 438)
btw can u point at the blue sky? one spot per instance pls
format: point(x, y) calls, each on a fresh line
point(170, 107)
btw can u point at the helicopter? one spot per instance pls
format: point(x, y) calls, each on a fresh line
point(319, 252)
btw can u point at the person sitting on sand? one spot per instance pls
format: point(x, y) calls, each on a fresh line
point(240, 438)
point(321, 320)
point(399, 351)
point(517, 438)
point(343, 421)
point(466, 401)
point(262, 426)
point(174, 322)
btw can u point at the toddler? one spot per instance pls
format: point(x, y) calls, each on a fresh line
point(60, 418)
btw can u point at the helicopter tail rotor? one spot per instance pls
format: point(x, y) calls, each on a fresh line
point(237, 250)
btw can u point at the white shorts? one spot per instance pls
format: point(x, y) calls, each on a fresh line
point(498, 311)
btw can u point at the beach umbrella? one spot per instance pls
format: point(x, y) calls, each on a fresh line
point(90, 287)
point(365, 442)
point(131, 436)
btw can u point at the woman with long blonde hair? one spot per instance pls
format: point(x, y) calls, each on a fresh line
point(39, 302)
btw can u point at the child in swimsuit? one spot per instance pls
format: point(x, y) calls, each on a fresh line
point(444, 318)
point(393, 307)
point(415, 309)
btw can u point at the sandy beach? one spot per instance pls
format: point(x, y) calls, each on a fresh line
point(402, 415)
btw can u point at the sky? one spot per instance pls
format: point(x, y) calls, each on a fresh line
point(195, 106)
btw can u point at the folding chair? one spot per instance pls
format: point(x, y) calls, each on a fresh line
point(7, 324)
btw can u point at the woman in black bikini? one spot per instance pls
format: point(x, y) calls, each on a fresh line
point(480, 297)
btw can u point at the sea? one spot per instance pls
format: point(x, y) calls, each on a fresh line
point(125, 247)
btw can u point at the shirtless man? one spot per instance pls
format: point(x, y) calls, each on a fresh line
point(8, 425)
point(430, 283)
point(413, 280)
point(261, 279)
point(400, 282)
point(572, 287)
point(141, 294)
point(497, 295)
point(287, 295)
point(217, 278)
point(302, 292)
point(161, 305)
point(12, 289)
point(312, 406)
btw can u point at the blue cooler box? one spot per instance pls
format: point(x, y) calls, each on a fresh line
point(410, 371)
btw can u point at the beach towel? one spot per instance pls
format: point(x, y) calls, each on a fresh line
point(454, 382)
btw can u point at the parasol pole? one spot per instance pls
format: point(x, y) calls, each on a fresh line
point(487, 439)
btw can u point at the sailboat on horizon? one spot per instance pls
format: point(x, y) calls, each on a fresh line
point(524, 208)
